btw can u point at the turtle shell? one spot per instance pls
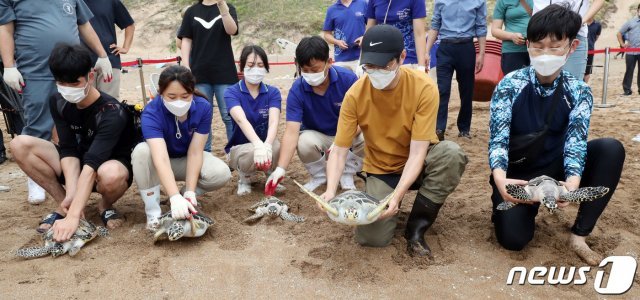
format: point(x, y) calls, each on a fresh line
point(540, 179)
point(351, 197)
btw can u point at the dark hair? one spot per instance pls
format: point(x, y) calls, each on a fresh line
point(69, 62)
point(555, 21)
point(258, 51)
point(309, 48)
point(180, 74)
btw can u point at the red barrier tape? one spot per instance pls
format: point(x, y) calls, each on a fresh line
point(149, 61)
point(613, 50)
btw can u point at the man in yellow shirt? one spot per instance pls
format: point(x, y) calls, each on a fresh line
point(396, 108)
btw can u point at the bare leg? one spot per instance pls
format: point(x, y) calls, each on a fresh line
point(580, 247)
point(111, 184)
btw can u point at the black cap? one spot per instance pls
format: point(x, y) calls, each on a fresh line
point(380, 44)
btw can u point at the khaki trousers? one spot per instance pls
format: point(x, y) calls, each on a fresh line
point(311, 145)
point(241, 157)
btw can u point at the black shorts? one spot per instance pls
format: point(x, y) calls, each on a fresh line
point(589, 69)
point(124, 161)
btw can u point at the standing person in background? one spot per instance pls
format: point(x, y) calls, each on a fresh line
point(206, 32)
point(577, 62)
point(456, 23)
point(631, 30)
point(178, 39)
point(514, 15)
point(409, 16)
point(343, 25)
point(594, 33)
point(108, 13)
point(29, 30)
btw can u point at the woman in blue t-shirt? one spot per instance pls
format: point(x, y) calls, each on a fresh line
point(175, 126)
point(255, 110)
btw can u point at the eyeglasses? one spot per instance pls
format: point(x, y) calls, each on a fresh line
point(373, 68)
point(553, 51)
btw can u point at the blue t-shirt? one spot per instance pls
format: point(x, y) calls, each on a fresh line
point(347, 24)
point(108, 13)
point(401, 15)
point(315, 112)
point(256, 110)
point(158, 122)
point(39, 26)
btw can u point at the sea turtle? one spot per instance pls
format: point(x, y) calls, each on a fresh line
point(273, 207)
point(352, 207)
point(547, 190)
point(196, 226)
point(86, 232)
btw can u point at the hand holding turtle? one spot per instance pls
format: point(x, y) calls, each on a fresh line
point(181, 208)
point(502, 183)
point(394, 207)
point(326, 196)
point(65, 228)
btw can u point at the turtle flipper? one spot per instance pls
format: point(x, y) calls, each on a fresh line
point(518, 192)
point(255, 216)
point(159, 232)
point(33, 252)
point(505, 205)
point(291, 217)
point(584, 194)
point(102, 231)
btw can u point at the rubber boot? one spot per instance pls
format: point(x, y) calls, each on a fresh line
point(423, 215)
point(352, 166)
point(37, 194)
point(318, 172)
point(244, 183)
point(151, 199)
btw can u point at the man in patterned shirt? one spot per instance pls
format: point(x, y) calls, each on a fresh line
point(546, 111)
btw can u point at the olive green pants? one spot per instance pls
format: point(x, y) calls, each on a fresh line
point(443, 168)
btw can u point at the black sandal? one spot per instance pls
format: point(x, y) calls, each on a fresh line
point(109, 215)
point(49, 220)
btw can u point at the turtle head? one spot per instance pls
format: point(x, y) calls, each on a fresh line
point(351, 214)
point(272, 210)
point(550, 203)
point(176, 231)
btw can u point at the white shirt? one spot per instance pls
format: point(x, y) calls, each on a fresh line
point(579, 6)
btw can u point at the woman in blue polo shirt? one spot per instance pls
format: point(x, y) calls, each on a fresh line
point(255, 111)
point(175, 126)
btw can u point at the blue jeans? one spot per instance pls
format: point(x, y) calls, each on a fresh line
point(210, 90)
point(577, 62)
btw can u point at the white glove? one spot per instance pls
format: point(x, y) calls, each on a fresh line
point(269, 153)
point(103, 65)
point(181, 208)
point(191, 197)
point(13, 78)
point(223, 7)
point(273, 180)
point(260, 155)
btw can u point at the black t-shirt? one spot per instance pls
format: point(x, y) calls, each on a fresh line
point(212, 59)
point(95, 134)
point(106, 13)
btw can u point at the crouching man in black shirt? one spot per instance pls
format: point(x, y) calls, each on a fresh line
point(96, 137)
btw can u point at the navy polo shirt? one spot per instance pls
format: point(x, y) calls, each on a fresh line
point(256, 110)
point(107, 15)
point(158, 122)
point(347, 24)
point(315, 112)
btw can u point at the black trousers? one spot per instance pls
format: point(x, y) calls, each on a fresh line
point(461, 58)
point(514, 61)
point(631, 62)
point(515, 227)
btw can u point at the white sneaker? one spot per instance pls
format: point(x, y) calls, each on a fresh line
point(37, 194)
point(637, 138)
point(151, 199)
point(153, 224)
point(318, 172)
point(244, 184)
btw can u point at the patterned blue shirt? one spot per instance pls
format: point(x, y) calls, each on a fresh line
point(520, 99)
point(459, 18)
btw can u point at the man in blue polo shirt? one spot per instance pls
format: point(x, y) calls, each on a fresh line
point(106, 14)
point(313, 106)
point(344, 24)
point(456, 23)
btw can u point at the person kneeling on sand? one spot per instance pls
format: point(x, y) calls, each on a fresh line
point(93, 154)
point(539, 123)
point(175, 126)
point(396, 107)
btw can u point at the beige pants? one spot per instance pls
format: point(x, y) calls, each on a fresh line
point(241, 157)
point(353, 65)
point(311, 144)
point(443, 168)
point(110, 88)
point(213, 175)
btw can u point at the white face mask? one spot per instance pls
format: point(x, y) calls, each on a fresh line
point(254, 75)
point(73, 94)
point(177, 107)
point(381, 79)
point(315, 79)
point(546, 64)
